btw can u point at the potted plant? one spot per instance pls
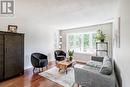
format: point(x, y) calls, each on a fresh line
point(100, 36)
point(70, 53)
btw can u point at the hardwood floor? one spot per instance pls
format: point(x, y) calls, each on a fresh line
point(30, 79)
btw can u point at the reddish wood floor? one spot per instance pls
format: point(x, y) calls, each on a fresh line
point(30, 80)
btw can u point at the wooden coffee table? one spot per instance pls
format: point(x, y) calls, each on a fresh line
point(63, 65)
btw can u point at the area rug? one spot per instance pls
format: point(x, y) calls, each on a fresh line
point(66, 80)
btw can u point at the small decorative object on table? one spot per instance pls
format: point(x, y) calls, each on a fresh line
point(12, 28)
point(70, 53)
point(100, 36)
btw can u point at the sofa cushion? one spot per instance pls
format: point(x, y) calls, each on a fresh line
point(94, 64)
point(106, 67)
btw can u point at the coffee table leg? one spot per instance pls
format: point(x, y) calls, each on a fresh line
point(72, 65)
point(59, 70)
point(66, 71)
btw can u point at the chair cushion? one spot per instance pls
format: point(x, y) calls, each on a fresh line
point(43, 62)
point(61, 56)
point(106, 67)
point(94, 64)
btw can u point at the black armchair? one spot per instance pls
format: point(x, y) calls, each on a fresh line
point(59, 55)
point(39, 60)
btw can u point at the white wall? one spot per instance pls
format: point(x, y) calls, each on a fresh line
point(106, 28)
point(39, 36)
point(40, 19)
point(122, 54)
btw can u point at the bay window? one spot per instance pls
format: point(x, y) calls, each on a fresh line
point(82, 42)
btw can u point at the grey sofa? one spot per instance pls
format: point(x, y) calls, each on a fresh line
point(92, 75)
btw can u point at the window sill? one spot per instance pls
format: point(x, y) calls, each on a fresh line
point(88, 53)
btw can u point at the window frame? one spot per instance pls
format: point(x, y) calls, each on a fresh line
point(81, 36)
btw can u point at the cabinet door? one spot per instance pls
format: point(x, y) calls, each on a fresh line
point(1, 57)
point(13, 55)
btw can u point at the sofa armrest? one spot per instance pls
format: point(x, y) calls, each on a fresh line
point(96, 58)
point(88, 77)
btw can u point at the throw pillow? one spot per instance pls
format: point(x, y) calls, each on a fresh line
point(106, 67)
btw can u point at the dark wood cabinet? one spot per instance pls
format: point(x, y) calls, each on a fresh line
point(11, 54)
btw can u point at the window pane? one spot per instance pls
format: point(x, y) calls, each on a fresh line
point(77, 41)
point(74, 42)
point(86, 40)
point(82, 42)
point(71, 38)
point(70, 41)
point(94, 40)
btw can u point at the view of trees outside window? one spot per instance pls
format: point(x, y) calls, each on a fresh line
point(86, 40)
point(71, 41)
point(82, 42)
point(77, 43)
point(94, 40)
point(74, 42)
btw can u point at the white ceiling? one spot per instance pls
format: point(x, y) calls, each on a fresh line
point(62, 14)
point(77, 13)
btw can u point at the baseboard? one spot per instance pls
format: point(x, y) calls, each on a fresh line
point(27, 67)
point(82, 62)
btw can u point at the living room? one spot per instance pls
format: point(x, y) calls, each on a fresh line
point(45, 26)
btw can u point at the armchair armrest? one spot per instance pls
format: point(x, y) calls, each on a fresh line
point(35, 61)
point(64, 54)
point(43, 56)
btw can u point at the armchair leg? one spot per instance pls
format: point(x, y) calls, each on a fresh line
point(77, 85)
point(56, 62)
point(33, 69)
point(39, 70)
point(46, 67)
point(42, 69)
